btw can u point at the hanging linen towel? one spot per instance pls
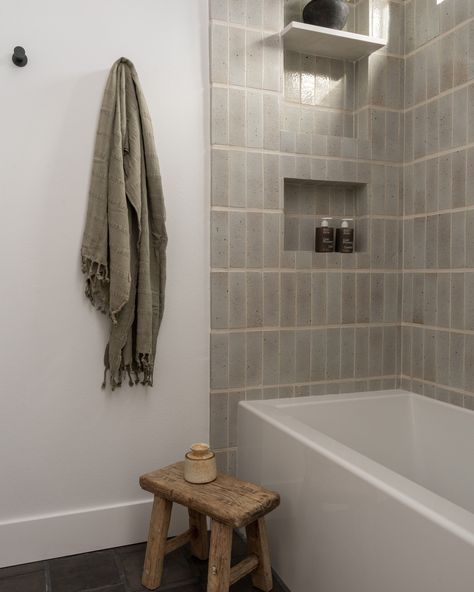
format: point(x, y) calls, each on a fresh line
point(124, 244)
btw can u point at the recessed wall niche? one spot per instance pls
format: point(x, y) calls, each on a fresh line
point(307, 202)
point(325, 96)
point(320, 97)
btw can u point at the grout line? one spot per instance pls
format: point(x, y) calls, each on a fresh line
point(101, 588)
point(403, 233)
point(228, 23)
point(245, 88)
point(121, 570)
point(441, 94)
point(227, 391)
point(47, 576)
point(307, 269)
point(373, 106)
point(465, 393)
point(435, 270)
point(354, 159)
point(438, 212)
point(245, 210)
point(311, 107)
point(450, 302)
point(424, 327)
point(432, 155)
point(355, 217)
point(439, 36)
point(354, 112)
point(314, 328)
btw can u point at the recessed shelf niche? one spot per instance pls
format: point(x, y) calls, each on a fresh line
point(307, 202)
point(326, 73)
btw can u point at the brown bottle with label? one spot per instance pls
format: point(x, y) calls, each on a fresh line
point(345, 237)
point(325, 237)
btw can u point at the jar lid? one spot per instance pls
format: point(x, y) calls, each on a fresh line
point(200, 451)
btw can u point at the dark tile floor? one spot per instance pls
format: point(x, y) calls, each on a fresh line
point(116, 570)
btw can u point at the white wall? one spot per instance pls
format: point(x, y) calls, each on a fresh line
point(70, 453)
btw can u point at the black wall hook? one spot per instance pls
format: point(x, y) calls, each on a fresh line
point(19, 57)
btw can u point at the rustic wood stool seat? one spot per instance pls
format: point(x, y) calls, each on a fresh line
point(230, 503)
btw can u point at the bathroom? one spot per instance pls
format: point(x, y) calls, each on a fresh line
point(292, 357)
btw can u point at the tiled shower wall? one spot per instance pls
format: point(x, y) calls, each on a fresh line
point(438, 286)
point(287, 321)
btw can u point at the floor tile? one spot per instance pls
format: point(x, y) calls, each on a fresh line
point(127, 548)
point(279, 586)
point(21, 569)
point(239, 552)
point(245, 585)
point(178, 568)
point(29, 582)
point(113, 588)
point(190, 587)
point(82, 572)
point(120, 570)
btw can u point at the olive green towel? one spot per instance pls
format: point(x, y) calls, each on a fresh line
point(124, 244)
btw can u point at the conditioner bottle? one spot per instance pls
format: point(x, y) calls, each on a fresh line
point(345, 237)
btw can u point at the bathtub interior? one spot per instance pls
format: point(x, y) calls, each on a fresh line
point(428, 442)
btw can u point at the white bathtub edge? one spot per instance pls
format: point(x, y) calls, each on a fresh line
point(431, 505)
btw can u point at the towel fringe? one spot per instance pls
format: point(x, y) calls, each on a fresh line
point(93, 269)
point(140, 371)
point(95, 272)
point(130, 381)
point(104, 382)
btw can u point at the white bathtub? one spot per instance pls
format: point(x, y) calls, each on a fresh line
point(377, 490)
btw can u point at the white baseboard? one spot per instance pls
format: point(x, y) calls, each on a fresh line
point(57, 535)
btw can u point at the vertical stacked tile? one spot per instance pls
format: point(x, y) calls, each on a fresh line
point(285, 320)
point(438, 262)
point(246, 207)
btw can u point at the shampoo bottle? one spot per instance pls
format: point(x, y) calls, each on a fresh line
point(325, 237)
point(345, 237)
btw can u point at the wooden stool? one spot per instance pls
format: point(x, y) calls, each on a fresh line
point(230, 503)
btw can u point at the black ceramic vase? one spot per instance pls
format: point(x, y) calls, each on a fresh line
point(326, 13)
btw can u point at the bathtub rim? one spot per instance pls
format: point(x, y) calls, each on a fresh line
point(433, 506)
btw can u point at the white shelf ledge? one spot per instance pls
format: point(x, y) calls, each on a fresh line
point(326, 182)
point(329, 43)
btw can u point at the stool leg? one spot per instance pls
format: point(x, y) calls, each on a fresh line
point(219, 559)
point(155, 548)
point(199, 538)
point(257, 542)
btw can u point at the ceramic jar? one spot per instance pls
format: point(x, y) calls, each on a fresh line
point(200, 464)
